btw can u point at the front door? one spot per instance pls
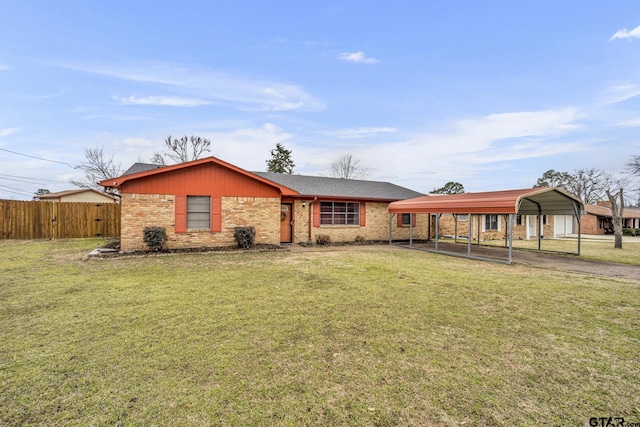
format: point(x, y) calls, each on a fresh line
point(286, 223)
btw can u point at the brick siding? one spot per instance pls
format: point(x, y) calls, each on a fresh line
point(141, 210)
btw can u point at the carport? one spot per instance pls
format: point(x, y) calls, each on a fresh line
point(509, 203)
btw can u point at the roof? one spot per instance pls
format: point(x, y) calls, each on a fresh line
point(606, 211)
point(64, 193)
point(148, 169)
point(289, 184)
point(141, 167)
point(530, 201)
point(318, 186)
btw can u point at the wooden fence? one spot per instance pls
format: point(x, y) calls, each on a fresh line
point(54, 220)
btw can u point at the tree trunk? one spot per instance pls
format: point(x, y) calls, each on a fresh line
point(616, 216)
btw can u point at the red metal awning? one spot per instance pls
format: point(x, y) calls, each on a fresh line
point(530, 201)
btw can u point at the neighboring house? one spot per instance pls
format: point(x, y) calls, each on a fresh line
point(598, 219)
point(87, 195)
point(200, 203)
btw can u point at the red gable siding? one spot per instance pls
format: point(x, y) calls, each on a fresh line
point(204, 179)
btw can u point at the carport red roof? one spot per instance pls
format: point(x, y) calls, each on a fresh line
point(529, 201)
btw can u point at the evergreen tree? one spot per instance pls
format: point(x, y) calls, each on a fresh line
point(280, 161)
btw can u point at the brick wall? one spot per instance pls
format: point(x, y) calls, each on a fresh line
point(447, 227)
point(141, 210)
point(590, 224)
point(376, 228)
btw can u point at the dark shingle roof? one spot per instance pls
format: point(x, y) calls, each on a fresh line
point(141, 167)
point(321, 186)
point(339, 187)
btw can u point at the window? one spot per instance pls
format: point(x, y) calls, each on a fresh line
point(198, 212)
point(406, 219)
point(491, 222)
point(518, 219)
point(461, 217)
point(339, 213)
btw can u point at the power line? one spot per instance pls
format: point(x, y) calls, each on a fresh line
point(15, 189)
point(22, 180)
point(38, 158)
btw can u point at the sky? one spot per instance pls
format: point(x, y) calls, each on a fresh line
point(489, 94)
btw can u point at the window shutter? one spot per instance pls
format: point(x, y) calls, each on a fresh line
point(216, 214)
point(484, 223)
point(399, 224)
point(180, 225)
point(316, 213)
point(413, 220)
point(363, 215)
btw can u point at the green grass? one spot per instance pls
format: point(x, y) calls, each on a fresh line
point(378, 337)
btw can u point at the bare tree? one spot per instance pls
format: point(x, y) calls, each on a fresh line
point(97, 167)
point(348, 167)
point(182, 150)
point(590, 185)
point(634, 166)
point(616, 201)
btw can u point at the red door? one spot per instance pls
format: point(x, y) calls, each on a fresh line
point(286, 223)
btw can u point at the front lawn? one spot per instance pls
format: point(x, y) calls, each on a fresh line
point(366, 336)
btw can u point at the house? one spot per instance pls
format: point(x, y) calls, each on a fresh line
point(200, 203)
point(87, 195)
point(598, 219)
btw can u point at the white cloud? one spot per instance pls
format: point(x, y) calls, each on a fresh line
point(169, 101)
point(3, 67)
point(357, 57)
point(626, 34)
point(363, 132)
point(620, 92)
point(8, 131)
point(207, 85)
point(459, 151)
point(249, 147)
point(634, 123)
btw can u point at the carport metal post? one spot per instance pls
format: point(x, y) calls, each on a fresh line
point(512, 218)
point(411, 229)
point(437, 223)
point(390, 227)
point(469, 223)
point(576, 209)
point(540, 231)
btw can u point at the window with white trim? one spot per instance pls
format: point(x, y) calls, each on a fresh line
point(491, 223)
point(198, 212)
point(461, 217)
point(406, 219)
point(339, 213)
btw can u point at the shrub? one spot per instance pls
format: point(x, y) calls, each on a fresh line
point(360, 240)
point(631, 231)
point(323, 239)
point(154, 238)
point(245, 236)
